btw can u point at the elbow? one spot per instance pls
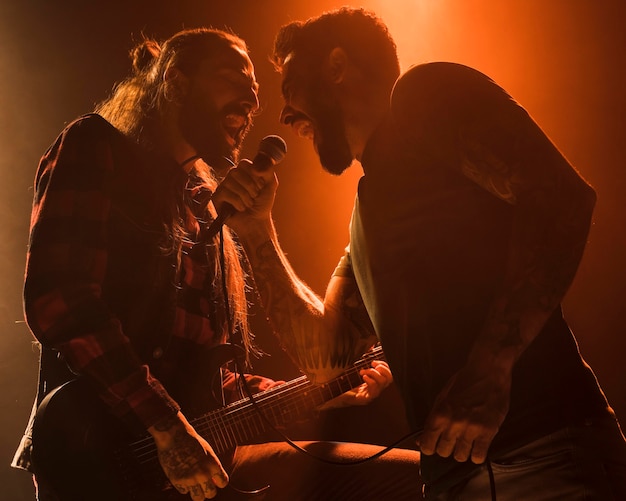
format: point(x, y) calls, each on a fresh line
point(576, 197)
point(588, 198)
point(586, 202)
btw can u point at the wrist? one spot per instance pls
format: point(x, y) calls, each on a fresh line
point(496, 364)
point(164, 430)
point(257, 233)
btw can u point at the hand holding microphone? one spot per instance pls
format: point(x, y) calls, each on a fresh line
point(272, 150)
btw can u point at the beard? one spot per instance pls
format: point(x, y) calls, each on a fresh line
point(201, 126)
point(331, 142)
point(333, 148)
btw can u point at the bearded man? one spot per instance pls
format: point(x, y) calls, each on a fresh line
point(467, 231)
point(127, 291)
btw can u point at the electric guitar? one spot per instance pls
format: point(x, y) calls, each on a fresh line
point(87, 455)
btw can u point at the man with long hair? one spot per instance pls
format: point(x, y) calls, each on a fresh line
point(467, 230)
point(127, 292)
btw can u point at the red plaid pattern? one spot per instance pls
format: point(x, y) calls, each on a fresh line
point(77, 187)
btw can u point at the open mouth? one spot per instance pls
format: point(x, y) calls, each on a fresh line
point(233, 124)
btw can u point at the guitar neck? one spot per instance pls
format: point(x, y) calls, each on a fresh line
point(246, 419)
point(78, 432)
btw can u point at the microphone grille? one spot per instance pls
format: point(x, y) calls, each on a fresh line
point(273, 147)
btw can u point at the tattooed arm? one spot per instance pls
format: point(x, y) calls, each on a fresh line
point(323, 337)
point(187, 459)
point(507, 154)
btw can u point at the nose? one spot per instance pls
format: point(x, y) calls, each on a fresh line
point(286, 115)
point(250, 99)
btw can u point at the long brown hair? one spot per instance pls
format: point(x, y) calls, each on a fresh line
point(135, 108)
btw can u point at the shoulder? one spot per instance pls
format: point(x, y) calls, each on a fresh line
point(89, 137)
point(440, 94)
point(82, 148)
point(89, 127)
point(440, 80)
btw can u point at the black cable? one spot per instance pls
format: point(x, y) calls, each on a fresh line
point(229, 323)
point(492, 481)
point(255, 405)
point(244, 384)
point(241, 370)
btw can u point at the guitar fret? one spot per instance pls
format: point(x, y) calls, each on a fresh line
point(239, 422)
point(230, 433)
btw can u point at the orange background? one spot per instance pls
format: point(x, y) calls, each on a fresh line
point(563, 60)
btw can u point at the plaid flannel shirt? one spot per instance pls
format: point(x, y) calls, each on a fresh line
point(98, 287)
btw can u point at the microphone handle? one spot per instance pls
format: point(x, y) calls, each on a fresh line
point(260, 163)
point(226, 210)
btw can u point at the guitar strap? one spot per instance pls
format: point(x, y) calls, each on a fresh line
point(53, 372)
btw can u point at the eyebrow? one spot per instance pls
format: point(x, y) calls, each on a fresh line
point(284, 88)
point(240, 74)
point(287, 85)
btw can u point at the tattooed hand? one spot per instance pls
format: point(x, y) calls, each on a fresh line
point(187, 459)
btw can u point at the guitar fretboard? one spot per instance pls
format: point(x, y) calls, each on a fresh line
point(242, 421)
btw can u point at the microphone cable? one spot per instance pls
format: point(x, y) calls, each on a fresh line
point(246, 388)
point(240, 370)
point(384, 449)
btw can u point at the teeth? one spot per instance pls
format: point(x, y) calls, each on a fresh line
point(234, 121)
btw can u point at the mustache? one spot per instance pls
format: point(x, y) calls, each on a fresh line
point(237, 109)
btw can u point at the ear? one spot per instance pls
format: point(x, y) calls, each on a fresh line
point(176, 83)
point(338, 65)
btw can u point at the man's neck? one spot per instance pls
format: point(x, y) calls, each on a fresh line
point(366, 126)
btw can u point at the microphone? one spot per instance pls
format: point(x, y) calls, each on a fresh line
point(272, 150)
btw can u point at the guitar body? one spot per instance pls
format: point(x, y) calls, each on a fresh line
point(80, 451)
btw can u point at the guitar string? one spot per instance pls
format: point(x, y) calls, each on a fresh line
point(235, 409)
point(281, 401)
point(256, 406)
point(242, 411)
point(236, 415)
point(272, 394)
point(287, 440)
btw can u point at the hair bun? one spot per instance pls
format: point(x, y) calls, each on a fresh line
point(144, 54)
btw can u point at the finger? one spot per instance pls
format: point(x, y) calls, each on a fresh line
point(220, 479)
point(371, 389)
point(445, 446)
point(264, 175)
point(382, 368)
point(428, 441)
point(479, 451)
point(198, 493)
point(371, 381)
point(209, 491)
point(373, 374)
point(248, 181)
point(181, 488)
point(240, 200)
point(436, 428)
point(463, 449)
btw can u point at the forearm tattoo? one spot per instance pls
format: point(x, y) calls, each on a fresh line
point(166, 423)
point(179, 459)
point(295, 314)
point(551, 221)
